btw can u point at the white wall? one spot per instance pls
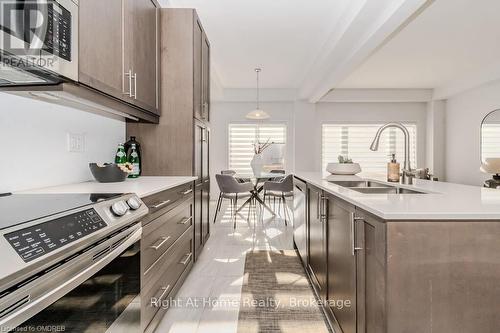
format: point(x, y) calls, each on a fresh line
point(372, 112)
point(464, 113)
point(304, 127)
point(33, 137)
point(436, 138)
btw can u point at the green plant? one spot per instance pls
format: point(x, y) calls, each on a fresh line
point(344, 159)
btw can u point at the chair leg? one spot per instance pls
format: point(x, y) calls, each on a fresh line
point(235, 205)
point(217, 208)
point(279, 206)
point(284, 207)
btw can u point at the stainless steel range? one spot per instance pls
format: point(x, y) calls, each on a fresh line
point(70, 262)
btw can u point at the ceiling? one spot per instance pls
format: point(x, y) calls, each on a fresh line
point(447, 40)
point(284, 37)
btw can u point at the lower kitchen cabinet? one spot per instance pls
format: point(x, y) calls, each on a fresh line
point(371, 267)
point(300, 230)
point(167, 250)
point(342, 275)
point(317, 241)
point(346, 259)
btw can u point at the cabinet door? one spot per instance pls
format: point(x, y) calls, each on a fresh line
point(317, 241)
point(342, 263)
point(141, 52)
point(205, 219)
point(371, 258)
point(198, 151)
point(300, 219)
point(198, 219)
point(205, 151)
point(100, 46)
point(205, 79)
point(197, 69)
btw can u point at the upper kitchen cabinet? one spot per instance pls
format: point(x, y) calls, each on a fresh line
point(119, 50)
point(187, 56)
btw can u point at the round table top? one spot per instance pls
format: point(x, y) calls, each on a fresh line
point(263, 175)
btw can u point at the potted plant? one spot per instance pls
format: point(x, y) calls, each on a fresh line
point(345, 166)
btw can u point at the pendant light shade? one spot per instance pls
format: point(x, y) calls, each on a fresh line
point(257, 114)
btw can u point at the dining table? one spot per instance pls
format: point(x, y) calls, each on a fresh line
point(258, 182)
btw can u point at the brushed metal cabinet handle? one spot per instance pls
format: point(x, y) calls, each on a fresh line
point(160, 242)
point(188, 258)
point(187, 191)
point(160, 204)
point(129, 75)
point(185, 221)
point(165, 290)
point(135, 86)
point(353, 238)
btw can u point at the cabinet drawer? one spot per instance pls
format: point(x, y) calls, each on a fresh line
point(159, 282)
point(162, 202)
point(162, 232)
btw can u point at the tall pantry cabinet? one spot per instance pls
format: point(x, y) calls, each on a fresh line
point(179, 144)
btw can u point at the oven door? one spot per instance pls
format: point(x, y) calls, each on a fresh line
point(38, 41)
point(96, 291)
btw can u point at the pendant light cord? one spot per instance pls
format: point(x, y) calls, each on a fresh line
point(257, 70)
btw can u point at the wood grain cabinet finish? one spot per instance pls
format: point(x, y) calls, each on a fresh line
point(167, 250)
point(179, 144)
point(141, 52)
point(404, 276)
point(317, 241)
point(118, 45)
point(342, 252)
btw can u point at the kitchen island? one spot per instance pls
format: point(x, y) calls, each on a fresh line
point(421, 262)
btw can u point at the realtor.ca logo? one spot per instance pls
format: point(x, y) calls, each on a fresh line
point(31, 34)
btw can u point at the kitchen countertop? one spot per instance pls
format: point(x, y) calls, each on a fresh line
point(142, 186)
point(442, 201)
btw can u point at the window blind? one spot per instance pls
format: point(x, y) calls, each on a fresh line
point(354, 140)
point(490, 145)
point(241, 140)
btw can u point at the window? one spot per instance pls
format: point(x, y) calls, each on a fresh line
point(354, 141)
point(490, 140)
point(241, 140)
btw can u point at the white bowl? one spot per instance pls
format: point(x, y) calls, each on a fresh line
point(343, 168)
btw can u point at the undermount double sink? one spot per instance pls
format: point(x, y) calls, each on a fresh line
point(374, 187)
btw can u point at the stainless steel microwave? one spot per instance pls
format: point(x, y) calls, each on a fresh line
point(38, 42)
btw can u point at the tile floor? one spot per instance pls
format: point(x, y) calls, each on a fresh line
point(210, 295)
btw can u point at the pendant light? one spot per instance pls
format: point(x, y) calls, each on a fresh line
point(257, 114)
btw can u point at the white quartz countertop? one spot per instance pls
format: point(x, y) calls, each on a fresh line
point(442, 201)
point(142, 186)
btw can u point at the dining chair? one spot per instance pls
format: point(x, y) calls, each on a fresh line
point(280, 189)
point(231, 189)
point(228, 172)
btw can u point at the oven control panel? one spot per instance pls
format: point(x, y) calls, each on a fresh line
point(32, 242)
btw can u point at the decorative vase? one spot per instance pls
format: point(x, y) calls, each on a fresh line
point(257, 164)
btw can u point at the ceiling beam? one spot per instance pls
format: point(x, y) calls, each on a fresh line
point(378, 96)
point(366, 26)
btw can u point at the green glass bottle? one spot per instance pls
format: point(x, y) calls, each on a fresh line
point(120, 157)
point(133, 159)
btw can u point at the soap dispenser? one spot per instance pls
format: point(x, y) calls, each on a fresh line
point(393, 169)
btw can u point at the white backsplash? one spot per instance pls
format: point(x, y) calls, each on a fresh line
point(34, 143)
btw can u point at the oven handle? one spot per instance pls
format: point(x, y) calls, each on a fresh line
point(23, 313)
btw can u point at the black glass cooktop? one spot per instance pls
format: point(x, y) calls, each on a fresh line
point(20, 208)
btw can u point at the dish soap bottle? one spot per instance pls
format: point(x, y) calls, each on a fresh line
point(393, 170)
point(133, 159)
